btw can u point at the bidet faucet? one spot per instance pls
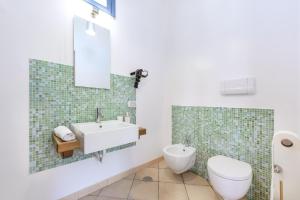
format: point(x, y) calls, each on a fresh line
point(187, 141)
point(99, 115)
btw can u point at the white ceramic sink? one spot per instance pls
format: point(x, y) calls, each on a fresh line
point(96, 137)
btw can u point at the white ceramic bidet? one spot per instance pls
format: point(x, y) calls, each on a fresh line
point(179, 158)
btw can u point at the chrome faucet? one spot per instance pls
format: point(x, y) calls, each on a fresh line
point(99, 115)
point(187, 140)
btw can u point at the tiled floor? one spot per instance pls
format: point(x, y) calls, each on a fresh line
point(157, 182)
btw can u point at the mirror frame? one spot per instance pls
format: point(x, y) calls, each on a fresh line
point(110, 9)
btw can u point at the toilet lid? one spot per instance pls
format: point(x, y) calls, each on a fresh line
point(229, 168)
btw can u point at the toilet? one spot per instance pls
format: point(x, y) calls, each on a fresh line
point(179, 158)
point(230, 178)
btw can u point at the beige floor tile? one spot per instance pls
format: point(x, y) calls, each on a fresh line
point(152, 172)
point(197, 192)
point(89, 198)
point(166, 175)
point(220, 198)
point(172, 191)
point(119, 189)
point(144, 190)
point(109, 198)
point(193, 179)
point(162, 164)
point(153, 165)
point(96, 193)
point(130, 177)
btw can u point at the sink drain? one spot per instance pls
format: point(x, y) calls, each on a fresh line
point(148, 179)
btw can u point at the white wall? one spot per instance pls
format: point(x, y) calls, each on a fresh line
point(298, 118)
point(207, 41)
point(215, 40)
point(43, 30)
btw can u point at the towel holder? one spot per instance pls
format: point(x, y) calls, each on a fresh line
point(65, 149)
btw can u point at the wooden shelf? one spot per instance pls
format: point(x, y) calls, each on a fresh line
point(142, 131)
point(65, 149)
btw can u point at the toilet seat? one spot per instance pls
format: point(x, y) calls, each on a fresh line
point(230, 169)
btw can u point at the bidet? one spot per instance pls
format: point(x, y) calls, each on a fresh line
point(179, 158)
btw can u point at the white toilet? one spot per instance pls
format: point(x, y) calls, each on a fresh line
point(179, 158)
point(230, 178)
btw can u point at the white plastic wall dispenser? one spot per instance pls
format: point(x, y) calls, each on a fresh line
point(244, 86)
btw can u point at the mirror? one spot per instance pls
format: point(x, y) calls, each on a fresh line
point(91, 54)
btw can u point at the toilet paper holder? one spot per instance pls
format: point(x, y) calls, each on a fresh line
point(277, 169)
point(287, 143)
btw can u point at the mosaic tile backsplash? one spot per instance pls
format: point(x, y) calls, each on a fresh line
point(54, 101)
point(243, 134)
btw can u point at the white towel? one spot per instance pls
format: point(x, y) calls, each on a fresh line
point(64, 133)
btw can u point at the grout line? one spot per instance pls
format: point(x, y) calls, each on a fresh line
point(112, 197)
point(158, 180)
point(187, 194)
point(131, 186)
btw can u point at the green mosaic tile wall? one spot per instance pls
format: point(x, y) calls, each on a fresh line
point(243, 134)
point(54, 101)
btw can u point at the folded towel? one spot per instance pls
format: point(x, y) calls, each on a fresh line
point(64, 133)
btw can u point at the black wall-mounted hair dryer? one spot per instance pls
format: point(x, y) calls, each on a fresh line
point(139, 73)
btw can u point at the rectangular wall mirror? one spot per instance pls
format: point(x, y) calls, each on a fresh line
point(91, 54)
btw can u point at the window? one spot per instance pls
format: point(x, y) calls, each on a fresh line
point(108, 6)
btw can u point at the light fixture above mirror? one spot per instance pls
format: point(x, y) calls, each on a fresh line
point(90, 29)
point(90, 26)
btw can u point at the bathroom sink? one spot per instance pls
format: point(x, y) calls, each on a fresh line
point(95, 137)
